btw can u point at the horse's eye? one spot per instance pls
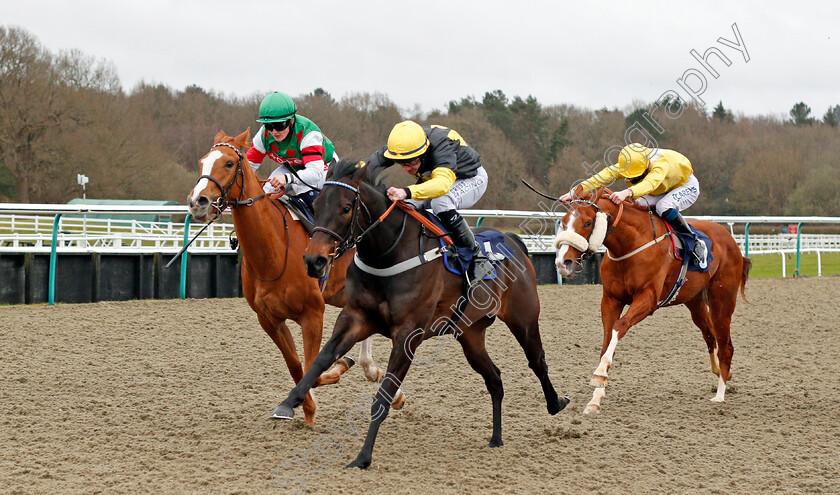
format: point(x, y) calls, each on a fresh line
point(588, 223)
point(346, 210)
point(229, 164)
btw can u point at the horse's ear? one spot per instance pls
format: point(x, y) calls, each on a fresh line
point(219, 137)
point(241, 141)
point(360, 171)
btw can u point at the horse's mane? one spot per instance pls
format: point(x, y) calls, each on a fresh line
point(358, 170)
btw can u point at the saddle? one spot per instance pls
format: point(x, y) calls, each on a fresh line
point(300, 212)
point(683, 245)
point(684, 248)
point(457, 259)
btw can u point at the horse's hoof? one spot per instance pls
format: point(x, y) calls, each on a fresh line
point(717, 399)
point(558, 406)
point(358, 463)
point(592, 409)
point(598, 381)
point(399, 402)
point(283, 412)
point(495, 443)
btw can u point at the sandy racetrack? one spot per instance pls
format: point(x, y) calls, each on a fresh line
point(174, 397)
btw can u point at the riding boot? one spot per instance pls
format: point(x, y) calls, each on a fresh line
point(462, 236)
point(673, 217)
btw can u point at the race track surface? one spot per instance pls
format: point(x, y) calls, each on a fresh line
point(175, 396)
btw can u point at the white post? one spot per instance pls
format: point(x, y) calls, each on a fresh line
point(819, 264)
point(783, 264)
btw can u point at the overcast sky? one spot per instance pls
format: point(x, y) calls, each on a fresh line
point(589, 54)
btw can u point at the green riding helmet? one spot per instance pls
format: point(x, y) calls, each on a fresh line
point(277, 107)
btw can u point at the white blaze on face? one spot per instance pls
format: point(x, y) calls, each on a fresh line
point(569, 227)
point(206, 167)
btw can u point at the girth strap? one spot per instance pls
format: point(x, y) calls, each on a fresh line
point(400, 267)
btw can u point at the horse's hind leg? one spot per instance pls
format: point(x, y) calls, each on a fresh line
point(700, 316)
point(527, 333)
point(472, 342)
point(372, 372)
point(282, 337)
point(721, 306)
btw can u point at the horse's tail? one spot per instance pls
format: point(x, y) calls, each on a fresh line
point(745, 274)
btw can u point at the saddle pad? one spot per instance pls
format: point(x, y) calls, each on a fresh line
point(687, 242)
point(492, 244)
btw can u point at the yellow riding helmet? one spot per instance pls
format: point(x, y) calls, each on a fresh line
point(633, 160)
point(407, 140)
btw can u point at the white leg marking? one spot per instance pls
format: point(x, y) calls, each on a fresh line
point(607, 358)
point(370, 370)
point(595, 404)
point(720, 391)
point(206, 167)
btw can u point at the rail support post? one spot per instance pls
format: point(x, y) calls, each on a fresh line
point(53, 259)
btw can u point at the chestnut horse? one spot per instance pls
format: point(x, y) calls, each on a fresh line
point(398, 287)
point(274, 278)
point(639, 271)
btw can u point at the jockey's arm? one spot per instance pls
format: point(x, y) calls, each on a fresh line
point(440, 184)
point(256, 153)
point(603, 178)
point(650, 182)
point(312, 151)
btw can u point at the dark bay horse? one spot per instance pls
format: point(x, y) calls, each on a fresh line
point(639, 271)
point(390, 291)
point(274, 278)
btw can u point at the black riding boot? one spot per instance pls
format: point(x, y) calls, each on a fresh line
point(680, 225)
point(462, 236)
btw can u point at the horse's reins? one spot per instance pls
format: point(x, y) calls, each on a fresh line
point(221, 203)
point(349, 240)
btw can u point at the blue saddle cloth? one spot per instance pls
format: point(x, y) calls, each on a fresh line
point(492, 244)
point(688, 241)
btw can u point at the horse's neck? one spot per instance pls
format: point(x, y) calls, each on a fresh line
point(259, 227)
point(633, 230)
point(383, 236)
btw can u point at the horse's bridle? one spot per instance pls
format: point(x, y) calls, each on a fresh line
point(222, 202)
point(348, 241)
point(589, 252)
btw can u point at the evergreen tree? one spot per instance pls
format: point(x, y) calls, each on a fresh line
point(800, 114)
point(722, 114)
point(832, 116)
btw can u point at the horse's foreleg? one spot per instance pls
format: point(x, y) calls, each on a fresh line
point(348, 330)
point(643, 304)
point(398, 364)
point(282, 337)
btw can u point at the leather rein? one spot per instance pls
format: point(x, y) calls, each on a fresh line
point(349, 240)
point(222, 202)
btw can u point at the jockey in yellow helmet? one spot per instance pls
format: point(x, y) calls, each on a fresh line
point(449, 176)
point(656, 177)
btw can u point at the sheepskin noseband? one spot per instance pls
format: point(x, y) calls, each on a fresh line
point(577, 241)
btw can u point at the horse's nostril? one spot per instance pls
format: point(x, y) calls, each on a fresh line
point(203, 201)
